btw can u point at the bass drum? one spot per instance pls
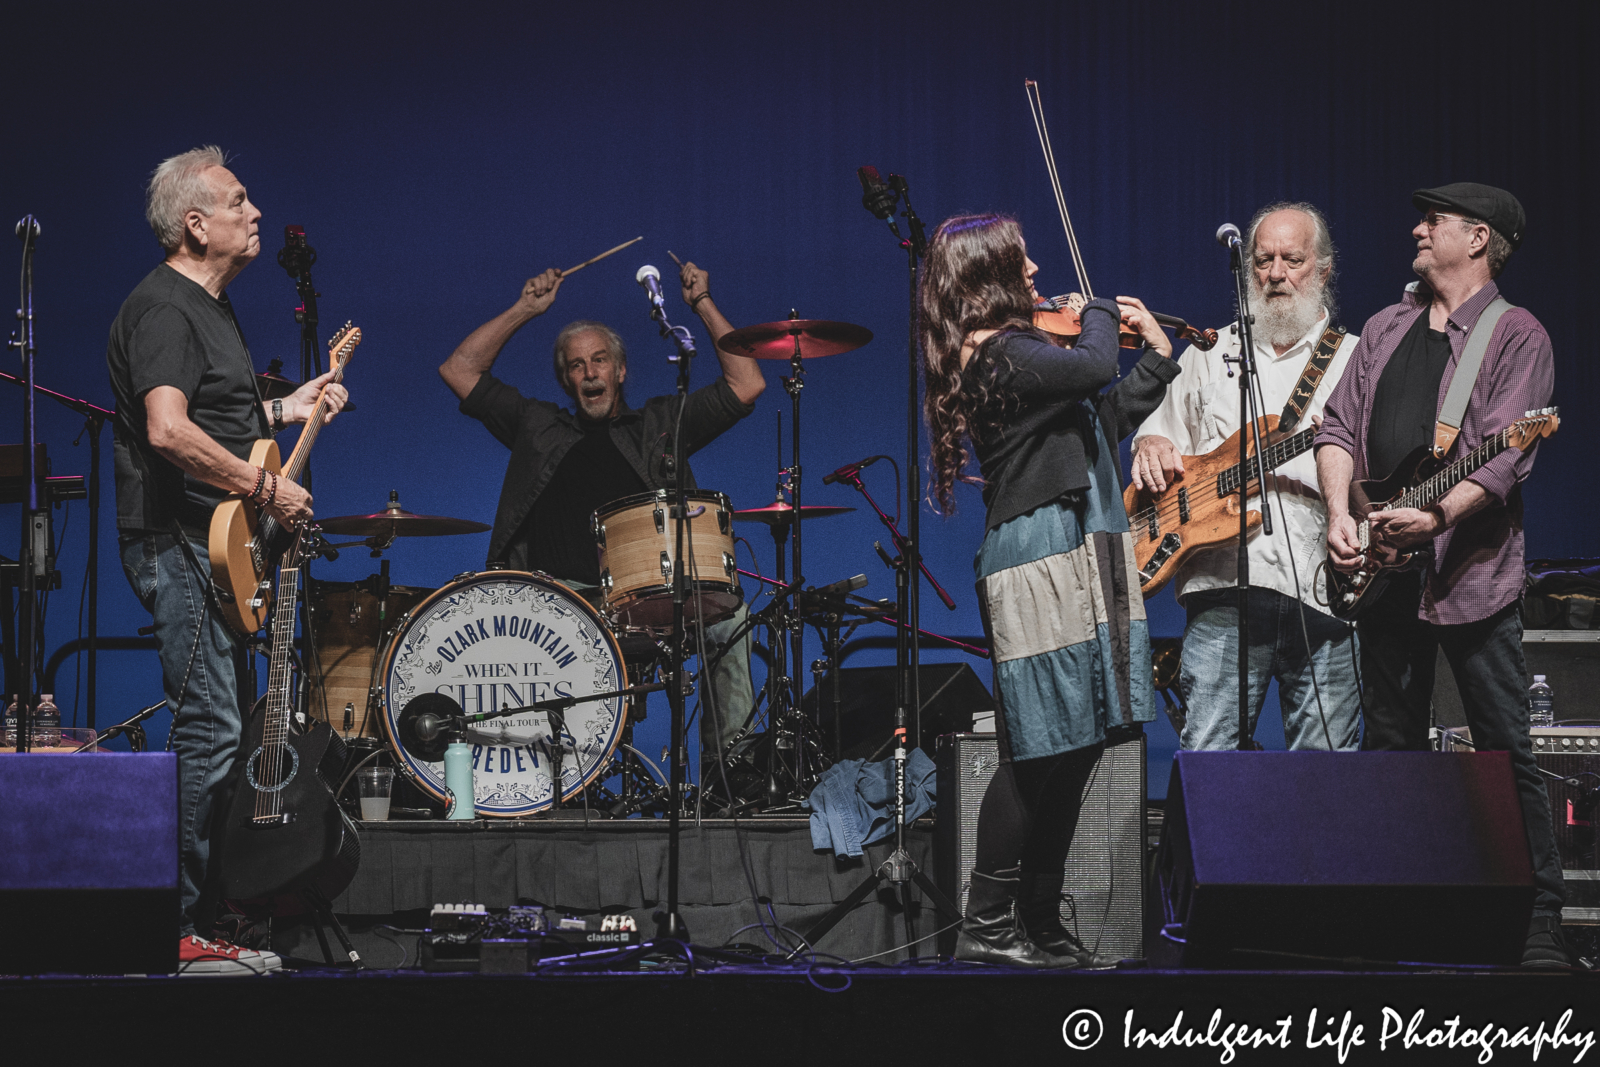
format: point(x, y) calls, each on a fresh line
point(508, 639)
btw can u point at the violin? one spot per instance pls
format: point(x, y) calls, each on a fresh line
point(1052, 315)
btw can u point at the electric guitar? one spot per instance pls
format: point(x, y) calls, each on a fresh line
point(285, 833)
point(1199, 509)
point(1419, 481)
point(245, 545)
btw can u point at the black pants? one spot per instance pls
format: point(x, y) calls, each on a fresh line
point(1398, 657)
point(1030, 811)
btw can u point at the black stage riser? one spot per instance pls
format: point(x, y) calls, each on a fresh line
point(1103, 898)
point(1273, 858)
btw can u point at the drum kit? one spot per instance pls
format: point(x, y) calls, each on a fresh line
point(502, 640)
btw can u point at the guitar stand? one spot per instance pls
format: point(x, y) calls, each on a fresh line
point(322, 913)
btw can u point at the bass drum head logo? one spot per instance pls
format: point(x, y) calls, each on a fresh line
point(505, 639)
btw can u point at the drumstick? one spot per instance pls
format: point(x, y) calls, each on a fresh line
point(602, 255)
point(675, 259)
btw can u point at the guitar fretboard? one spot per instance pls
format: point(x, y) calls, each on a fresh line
point(271, 771)
point(1431, 490)
point(1273, 455)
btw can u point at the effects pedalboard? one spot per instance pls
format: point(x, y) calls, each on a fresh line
point(466, 937)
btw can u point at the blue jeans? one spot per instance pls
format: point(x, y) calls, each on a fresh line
point(1210, 675)
point(197, 653)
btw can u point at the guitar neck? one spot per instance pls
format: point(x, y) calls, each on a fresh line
point(1430, 490)
point(276, 724)
point(1274, 455)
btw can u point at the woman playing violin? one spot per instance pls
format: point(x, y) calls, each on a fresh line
point(1056, 578)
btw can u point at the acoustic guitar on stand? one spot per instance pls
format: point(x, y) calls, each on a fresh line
point(1199, 509)
point(245, 544)
point(1419, 481)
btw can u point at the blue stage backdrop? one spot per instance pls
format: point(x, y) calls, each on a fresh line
point(437, 157)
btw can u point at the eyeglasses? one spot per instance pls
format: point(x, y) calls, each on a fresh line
point(1432, 219)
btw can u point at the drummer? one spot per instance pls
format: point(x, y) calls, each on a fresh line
point(565, 465)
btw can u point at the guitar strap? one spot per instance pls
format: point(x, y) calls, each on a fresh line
point(1460, 391)
point(1304, 389)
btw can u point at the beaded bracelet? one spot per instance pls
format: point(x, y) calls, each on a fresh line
point(703, 296)
point(273, 495)
point(261, 478)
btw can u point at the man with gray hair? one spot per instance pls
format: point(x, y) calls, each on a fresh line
point(565, 465)
point(188, 413)
point(1300, 353)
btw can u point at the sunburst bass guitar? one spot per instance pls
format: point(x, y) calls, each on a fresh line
point(246, 544)
point(1420, 481)
point(1199, 509)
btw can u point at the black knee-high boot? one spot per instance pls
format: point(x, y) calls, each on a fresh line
point(990, 932)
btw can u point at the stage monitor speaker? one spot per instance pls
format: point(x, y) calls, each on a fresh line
point(89, 879)
point(951, 695)
point(1103, 900)
point(1274, 858)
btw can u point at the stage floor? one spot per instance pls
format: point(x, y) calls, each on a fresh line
point(750, 1014)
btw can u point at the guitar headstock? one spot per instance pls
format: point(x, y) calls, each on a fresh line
point(343, 344)
point(1532, 426)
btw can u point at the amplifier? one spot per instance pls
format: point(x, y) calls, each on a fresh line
point(1569, 660)
point(1571, 755)
point(1103, 900)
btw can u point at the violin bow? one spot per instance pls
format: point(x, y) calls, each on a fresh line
point(1036, 105)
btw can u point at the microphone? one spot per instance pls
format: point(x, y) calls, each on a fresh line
point(1228, 235)
point(28, 226)
point(876, 196)
point(850, 470)
point(843, 585)
point(650, 278)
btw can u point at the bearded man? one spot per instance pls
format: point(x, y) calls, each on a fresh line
point(1292, 639)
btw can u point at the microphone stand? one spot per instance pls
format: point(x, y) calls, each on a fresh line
point(95, 418)
point(669, 924)
point(297, 258)
point(900, 870)
point(1249, 431)
point(29, 558)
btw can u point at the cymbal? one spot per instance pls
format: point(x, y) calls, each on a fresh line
point(397, 522)
point(782, 514)
point(775, 340)
point(277, 387)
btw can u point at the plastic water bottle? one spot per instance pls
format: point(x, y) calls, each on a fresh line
point(46, 723)
point(8, 730)
point(1541, 706)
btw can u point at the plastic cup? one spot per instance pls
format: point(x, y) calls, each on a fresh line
point(376, 783)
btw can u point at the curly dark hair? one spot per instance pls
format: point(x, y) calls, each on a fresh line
point(972, 280)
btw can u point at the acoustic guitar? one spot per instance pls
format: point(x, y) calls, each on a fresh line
point(1199, 509)
point(285, 833)
point(1419, 481)
point(245, 544)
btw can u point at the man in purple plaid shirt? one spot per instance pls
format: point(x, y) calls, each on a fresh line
point(1466, 598)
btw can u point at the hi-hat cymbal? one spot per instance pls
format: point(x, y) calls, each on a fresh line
point(775, 340)
point(277, 387)
point(782, 514)
point(396, 522)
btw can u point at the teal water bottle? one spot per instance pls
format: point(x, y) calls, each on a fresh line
point(458, 781)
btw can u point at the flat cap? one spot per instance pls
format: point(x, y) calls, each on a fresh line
point(1498, 208)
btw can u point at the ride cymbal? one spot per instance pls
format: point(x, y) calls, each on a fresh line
point(782, 514)
point(776, 340)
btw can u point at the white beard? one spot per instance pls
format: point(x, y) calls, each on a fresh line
point(1284, 320)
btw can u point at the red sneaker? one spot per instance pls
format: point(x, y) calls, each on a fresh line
point(199, 956)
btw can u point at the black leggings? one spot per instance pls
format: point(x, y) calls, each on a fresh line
point(1030, 811)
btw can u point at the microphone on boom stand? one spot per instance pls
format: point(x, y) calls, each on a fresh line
point(1228, 235)
point(650, 279)
point(850, 470)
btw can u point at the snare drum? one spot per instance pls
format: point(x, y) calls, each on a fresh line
point(637, 540)
point(508, 639)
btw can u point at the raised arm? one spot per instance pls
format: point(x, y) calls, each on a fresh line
point(474, 356)
point(742, 372)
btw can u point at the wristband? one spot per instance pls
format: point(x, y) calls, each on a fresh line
point(277, 416)
point(703, 296)
point(273, 495)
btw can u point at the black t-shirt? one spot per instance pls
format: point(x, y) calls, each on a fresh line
point(1405, 405)
point(170, 331)
point(557, 537)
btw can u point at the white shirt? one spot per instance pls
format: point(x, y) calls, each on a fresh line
point(1200, 412)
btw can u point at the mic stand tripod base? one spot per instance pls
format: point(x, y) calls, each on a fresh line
point(900, 871)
